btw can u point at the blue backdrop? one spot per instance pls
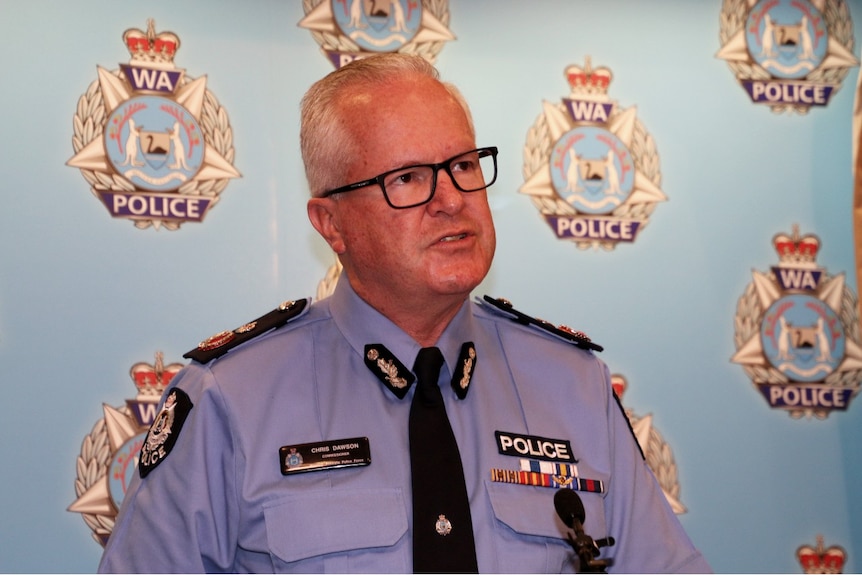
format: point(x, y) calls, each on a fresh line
point(84, 296)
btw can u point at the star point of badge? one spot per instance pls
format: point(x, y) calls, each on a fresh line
point(154, 144)
point(590, 167)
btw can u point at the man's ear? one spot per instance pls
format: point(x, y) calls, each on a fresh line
point(323, 214)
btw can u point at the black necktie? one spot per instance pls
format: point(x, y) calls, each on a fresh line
point(442, 527)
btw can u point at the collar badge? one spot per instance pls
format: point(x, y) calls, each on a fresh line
point(391, 372)
point(464, 370)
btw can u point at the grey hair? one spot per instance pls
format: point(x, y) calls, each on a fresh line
point(325, 143)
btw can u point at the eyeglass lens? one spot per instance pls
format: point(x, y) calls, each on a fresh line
point(414, 185)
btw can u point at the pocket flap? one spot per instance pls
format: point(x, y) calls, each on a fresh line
point(330, 521)
point(525, 509)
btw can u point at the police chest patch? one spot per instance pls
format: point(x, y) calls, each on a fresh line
point(535, 447)
point(165, 430)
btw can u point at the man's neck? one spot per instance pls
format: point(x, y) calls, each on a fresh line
point(422, 318)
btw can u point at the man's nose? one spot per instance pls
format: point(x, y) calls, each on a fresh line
point(447, 196)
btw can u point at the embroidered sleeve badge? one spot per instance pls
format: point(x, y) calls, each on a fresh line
point(165, 430)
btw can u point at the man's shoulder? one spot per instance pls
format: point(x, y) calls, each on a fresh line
point(503, 312)
point(290, 312)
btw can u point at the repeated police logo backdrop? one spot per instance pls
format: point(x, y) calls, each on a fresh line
point(156, 148)
point(154, 144)
point(109, 454)
point(788, 54)
point(797, 332)
point(590, 166)
point(349, 29)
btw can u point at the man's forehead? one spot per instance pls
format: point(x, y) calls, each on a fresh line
point(416, 107)
point(415, 88)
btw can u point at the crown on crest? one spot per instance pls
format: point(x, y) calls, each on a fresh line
point(152, 379)
point(619, 383)
point(149, 47)
point(589, 80)
point(820, 560)
point(795, 249)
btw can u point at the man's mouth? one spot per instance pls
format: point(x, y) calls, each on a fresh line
point(453, 238)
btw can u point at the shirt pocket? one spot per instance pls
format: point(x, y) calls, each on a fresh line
point(531, 536)
point(330, 524)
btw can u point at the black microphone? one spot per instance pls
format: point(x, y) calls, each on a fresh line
point(571, 511)
point(570, 508)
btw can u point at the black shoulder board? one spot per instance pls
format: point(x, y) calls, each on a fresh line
point(576, 337)
point(222, 342)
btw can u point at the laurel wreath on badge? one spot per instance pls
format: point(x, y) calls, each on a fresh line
point(341, 43)
point(89, 124)
point(733, 17)
point(749, 315)
point(644, 155)
point(92, 466)
point(660, 459)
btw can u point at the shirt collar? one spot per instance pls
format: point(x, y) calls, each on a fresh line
point(361, 324)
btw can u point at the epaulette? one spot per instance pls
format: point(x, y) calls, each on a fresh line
point(222, 342)
point(504, 307)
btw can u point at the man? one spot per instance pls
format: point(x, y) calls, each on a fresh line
point(290, 447)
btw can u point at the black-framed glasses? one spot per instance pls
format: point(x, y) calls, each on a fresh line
point(413, 186)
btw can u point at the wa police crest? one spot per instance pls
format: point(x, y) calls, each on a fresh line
point(154, 144)
point(109, 454)
point(590, 166)
point(788, 54)
point(347, 30)
point(797, 332)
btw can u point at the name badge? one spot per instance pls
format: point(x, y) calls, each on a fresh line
point(353, 452)
point(535, 447)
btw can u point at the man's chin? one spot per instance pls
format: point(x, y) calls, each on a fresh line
point(457, 283)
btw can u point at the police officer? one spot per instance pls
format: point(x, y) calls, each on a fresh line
point(288, 447)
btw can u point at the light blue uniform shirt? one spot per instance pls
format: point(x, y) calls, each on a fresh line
point(219, 502)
